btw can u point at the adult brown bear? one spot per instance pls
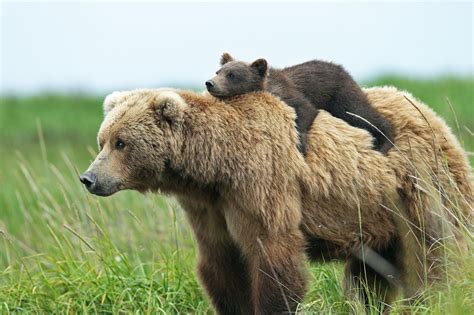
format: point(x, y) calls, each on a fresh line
point(256, 205)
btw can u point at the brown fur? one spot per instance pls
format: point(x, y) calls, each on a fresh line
point(253, 201)
point(242, 200)
point(350, 181)
point(308, 87)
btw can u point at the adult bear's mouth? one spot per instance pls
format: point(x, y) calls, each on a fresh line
point(102, 193)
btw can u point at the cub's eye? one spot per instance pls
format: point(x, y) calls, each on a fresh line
point(101, 146)
point(231, 75)
point(119, 144)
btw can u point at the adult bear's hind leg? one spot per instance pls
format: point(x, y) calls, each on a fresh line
point(372, 288)
point(375, 277)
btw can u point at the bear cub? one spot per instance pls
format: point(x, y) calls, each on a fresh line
point(307, 87)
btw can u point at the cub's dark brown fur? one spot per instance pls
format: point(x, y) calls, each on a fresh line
point(307, 87)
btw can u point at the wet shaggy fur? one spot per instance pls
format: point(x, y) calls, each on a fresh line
point(256, 206)
point(350, 182)
point(308, 88)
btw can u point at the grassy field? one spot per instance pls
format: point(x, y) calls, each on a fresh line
point(63, 250)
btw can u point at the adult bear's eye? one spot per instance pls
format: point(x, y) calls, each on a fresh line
point(230, 75)
point(119, 144)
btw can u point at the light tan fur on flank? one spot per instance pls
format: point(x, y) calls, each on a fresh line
point(255, 204)
point(352, 203)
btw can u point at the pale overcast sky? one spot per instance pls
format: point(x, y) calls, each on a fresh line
point(100, 47)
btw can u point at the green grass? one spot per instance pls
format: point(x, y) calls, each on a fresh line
point(63, 250)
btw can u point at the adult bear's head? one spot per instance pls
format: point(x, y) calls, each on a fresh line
point(135, 140)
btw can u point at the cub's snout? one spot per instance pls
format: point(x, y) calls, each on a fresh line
point(209, 84)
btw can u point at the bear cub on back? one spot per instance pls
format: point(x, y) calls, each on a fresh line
point(307, 87)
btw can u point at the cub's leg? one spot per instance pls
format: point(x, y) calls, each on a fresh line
point(356, 103)
point(305, 115)
point(221, 267)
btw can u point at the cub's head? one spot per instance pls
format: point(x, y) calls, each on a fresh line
point(237, 77)
point(136, 140)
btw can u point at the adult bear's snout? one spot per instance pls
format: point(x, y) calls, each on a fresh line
point(88, 179)
point(99, 184)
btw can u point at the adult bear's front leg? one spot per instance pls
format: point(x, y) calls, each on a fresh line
point(224, 274)
point(221, 267)
point(275, 264)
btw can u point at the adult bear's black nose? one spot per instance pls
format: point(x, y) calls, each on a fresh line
point(88, 179)
point(209, 84)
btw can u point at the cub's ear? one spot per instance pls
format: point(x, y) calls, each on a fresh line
point(225, 58)
point(112, 100)
point(170, 105)
point(261, 66)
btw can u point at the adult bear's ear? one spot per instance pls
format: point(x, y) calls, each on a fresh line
point(170, 105)
point(225, 58)
point(112, 100)
point(261, 66)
